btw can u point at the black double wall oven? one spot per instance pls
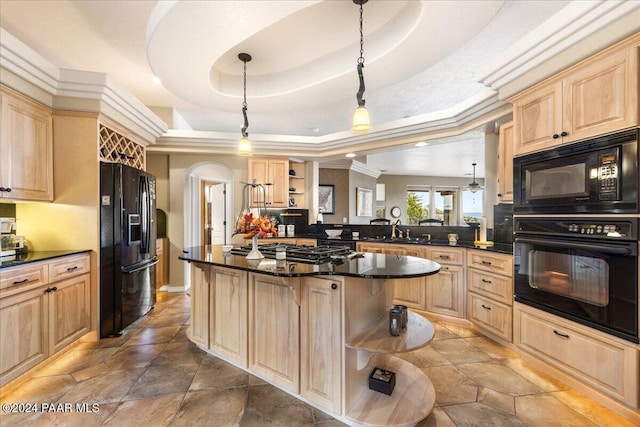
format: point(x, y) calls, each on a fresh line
point(576, 236)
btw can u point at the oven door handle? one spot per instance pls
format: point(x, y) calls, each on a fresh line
point(600, 247)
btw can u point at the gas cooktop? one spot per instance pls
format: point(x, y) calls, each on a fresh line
point(299, 253)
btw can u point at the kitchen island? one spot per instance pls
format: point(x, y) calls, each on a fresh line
point(315, 330)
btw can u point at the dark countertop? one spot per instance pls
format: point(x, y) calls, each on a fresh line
point(35, 256)
point(370, 266)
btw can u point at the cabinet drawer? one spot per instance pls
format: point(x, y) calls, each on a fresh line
point(446, 255)
point(19, 278)
point(69, 267)
point(500, 288)
point(605, 363)
point(491, 262)
point(491, 315)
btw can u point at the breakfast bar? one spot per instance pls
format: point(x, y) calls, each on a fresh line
point(315, 329)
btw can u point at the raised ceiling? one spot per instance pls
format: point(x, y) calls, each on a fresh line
point(426, 65)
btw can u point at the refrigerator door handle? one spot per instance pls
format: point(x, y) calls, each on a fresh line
point(142, 267)
point(145, 199)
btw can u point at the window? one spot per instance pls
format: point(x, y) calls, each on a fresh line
point(418, 205)
point(472, 206)
point(446, 205)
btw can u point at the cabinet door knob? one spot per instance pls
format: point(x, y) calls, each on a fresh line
point(564, 133)
point(334, 286)
point(7, 189)
point(556, 136)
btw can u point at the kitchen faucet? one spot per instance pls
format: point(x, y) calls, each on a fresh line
point(393, 229)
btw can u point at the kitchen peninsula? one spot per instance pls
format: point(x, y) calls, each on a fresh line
point(315, 330)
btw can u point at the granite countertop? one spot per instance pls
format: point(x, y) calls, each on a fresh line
point(371, 266)
point(35, 256)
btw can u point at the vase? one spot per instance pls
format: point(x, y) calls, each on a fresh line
point(255, 253)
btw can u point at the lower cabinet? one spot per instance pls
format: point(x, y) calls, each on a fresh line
point(200, 286)
point(321, 342)
point(69, 306)
point(606, 363)
point(39, 322)
point(274, 329)
point(490, 292)
point(445, 290)
point(228, 308)
point(23, 332)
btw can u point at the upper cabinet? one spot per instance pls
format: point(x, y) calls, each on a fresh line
point(505, 163)
point(26, 148)
point(273, 174)
point(594, 97)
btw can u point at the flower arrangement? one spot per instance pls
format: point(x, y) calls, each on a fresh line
point(251, 226)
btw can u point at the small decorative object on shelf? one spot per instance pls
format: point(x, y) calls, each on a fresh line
point(254, 223)
point(382, 380)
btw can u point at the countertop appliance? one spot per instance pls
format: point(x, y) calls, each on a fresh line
point(596, 176)
point(299, 253)
point(127, 246)
point(503, 223)
point(10, 244)
point(584, 269)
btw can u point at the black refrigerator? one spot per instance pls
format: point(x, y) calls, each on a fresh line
point(127, 246)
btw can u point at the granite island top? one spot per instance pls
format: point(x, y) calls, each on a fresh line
point(371, 266)
point(35, 256)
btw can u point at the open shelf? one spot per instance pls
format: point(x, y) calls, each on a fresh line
point(377, 339)
point(411, 401)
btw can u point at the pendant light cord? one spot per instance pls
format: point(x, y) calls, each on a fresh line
point(244, 104)
point(360, 62)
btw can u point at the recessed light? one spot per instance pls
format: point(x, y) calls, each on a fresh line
point(421, 144)
point(350, 155)
point(156, 80)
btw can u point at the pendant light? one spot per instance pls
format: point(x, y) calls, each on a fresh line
point(244, 146)
point(474, 186)
point(361, 122)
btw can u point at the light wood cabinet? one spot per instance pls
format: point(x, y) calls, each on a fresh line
point(602, 361)
point(69, 306)
point(228, 314)
point(505, 163)
point(44, 307)
point(297, 185)
point(273, 174)
point(321, 342)
point(23, 332)
point(274, 329)
point(162, 268)
point(445, 291)
point(490, 315)
point(200, 290)
point(490, 292)
point(594, 97)
point(26, 148)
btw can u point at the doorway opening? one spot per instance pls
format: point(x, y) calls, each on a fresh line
point(213, 218)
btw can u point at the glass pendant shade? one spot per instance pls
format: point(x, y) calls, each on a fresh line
point(361, 122)
point(244, 147)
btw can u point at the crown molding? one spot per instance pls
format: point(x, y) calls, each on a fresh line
point(362, 168)
point(77, 90)
point(571, 25)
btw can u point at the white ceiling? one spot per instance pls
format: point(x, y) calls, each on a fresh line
point(422, 61)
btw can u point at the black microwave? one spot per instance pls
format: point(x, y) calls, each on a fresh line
point(599, 175)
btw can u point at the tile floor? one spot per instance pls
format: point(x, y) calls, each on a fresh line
point(154, 376)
